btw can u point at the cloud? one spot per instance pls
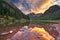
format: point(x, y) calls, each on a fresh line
point(43, 6)
point(57, 2)
point(36, 6)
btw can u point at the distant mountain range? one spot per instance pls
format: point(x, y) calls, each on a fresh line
point(53, 13)
point(34, 16)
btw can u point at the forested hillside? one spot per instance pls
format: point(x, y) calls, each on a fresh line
point(9, 13)
point(53, 13)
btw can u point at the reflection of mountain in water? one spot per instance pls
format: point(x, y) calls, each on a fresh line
point(28, 34)
point(32, 34)
point(51, 28)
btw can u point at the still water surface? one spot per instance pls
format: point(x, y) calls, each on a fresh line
point(52, 28)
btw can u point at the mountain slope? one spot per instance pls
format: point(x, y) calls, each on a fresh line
point(10, 14)
point(11, 10)
point(53, 13)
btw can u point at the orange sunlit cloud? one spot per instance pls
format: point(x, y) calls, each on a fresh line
point(35, 6)
point(43, 7)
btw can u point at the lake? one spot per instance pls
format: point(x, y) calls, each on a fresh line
point(52, 28)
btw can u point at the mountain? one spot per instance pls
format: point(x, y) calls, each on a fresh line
point(34, 16)
point(53, 13)
point(9, 9)
point(11, 15)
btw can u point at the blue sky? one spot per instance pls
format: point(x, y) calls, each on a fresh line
point(14, 1)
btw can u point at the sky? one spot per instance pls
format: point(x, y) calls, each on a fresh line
point(57, 2)
point(35, 6)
